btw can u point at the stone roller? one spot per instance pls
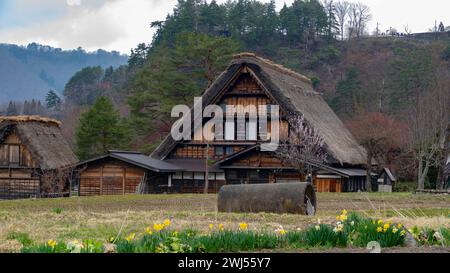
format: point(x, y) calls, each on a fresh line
point(293, 198)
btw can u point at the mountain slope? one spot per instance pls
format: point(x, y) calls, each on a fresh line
point(30, 72)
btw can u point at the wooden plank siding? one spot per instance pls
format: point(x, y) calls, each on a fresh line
point(110, 178)
point(328, 185)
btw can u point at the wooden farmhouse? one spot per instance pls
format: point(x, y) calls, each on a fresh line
point(33, 153)
point(238, 157)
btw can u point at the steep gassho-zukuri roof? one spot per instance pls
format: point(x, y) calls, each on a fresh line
point(42, 137)
point(295, 94)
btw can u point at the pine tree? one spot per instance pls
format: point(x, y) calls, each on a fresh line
point(101, 129)
point(52, 100)
point(348, 94)
point(12, 109)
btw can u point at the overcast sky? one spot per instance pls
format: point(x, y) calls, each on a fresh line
point(122, 24)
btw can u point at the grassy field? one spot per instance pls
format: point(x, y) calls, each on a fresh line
point(101, 217)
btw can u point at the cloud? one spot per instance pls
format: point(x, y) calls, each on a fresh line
point(108, 24)
point(73, 2)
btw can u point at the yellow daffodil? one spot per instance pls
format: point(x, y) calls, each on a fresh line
point(379, 229)
point(281, 232)
point(221, 227)
point(51, 243)
point(243, 226)
point(149, 231)
point(344, 212)
point(399, 225)
point(167, 223)
point(158, 227)
point(386, 226)
point(344, 217)
point(211, 226)
point(380, 222)
point(394, 230)
point(131, 237)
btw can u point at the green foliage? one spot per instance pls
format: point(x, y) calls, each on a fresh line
point(429, 236)
point(57, 210)
point(368, 230)
point(87, 246)
point(22, 238)
point(348, 93)
point(230, 241)
point(352, 230)
point(101, 129)
point(323, 235)
point(82, 87)
point(52, 99)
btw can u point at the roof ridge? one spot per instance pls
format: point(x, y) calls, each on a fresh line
point(33, 118)
point(278, 67)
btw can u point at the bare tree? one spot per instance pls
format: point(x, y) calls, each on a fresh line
point(428, 120)
point(359, 17)
point(342, 12)
point(380, 135)
point(304, 147)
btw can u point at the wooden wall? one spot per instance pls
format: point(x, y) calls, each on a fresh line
point(18, 184)
point(328, 185)
point(111, 177)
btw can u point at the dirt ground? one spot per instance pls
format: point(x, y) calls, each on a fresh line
point(102, 217)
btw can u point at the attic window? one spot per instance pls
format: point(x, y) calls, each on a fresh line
point(10, 155)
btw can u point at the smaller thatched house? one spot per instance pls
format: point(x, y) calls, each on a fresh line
point(33, 153)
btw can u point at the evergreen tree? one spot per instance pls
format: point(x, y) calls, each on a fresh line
point(12, 109)
point(348, 94)
point(100, 129)
point(83, 87)
point(138, 56)
point(52, 100)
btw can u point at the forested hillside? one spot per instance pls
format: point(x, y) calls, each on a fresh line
point(393, 85)
point(28, 73)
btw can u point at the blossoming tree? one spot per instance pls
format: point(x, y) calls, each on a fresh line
point(304, 147)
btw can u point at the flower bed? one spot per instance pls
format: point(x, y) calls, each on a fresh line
point(348, 230)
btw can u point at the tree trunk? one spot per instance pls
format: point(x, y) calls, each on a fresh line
point(369, 171)
point(422, 174)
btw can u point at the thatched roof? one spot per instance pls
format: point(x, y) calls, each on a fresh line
point(295, 94)
point(42, 137)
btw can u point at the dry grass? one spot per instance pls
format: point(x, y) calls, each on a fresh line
point(102, 217)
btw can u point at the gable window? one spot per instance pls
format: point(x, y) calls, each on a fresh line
point(252, 130)
point(229, 130)
point(9, 155)
point(14, 155)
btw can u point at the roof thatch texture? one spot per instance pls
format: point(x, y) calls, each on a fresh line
point(295, 94)
point(42, 137)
